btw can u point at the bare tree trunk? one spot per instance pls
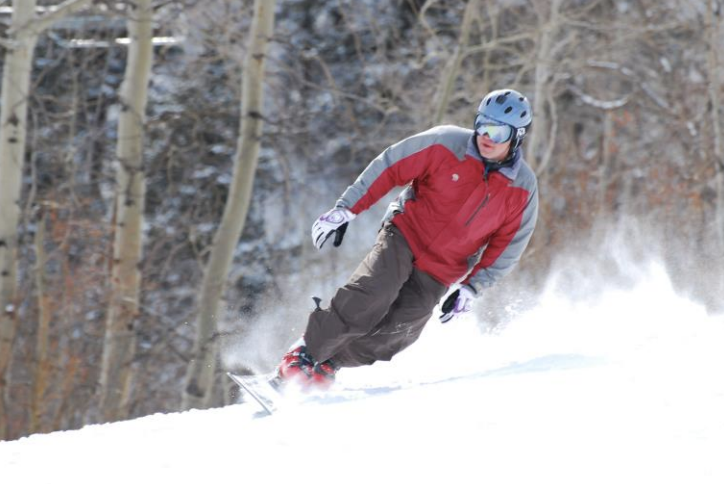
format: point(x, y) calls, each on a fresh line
point(119, 345)
point(493, 15)
point(13, 132)
point(549, 25)
point(452, 68)
point(42, 361)
point(712, 24)
point(201, 369)
point(605, 168)
point(22, 37)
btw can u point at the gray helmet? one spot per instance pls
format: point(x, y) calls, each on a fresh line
point(510, 107)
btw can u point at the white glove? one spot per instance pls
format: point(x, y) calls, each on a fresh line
point(457, 303)
point(334, 221)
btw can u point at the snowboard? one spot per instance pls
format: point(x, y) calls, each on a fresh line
point(263, 389)
point(267, 392)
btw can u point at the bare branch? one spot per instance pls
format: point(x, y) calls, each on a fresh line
point(423, 21)
point(69, 7)
point(634, 30)
point(6, 44)
point(498, 42)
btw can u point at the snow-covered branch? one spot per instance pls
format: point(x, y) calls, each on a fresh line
point(626, 72)
point(661, 102)
point(598, 103)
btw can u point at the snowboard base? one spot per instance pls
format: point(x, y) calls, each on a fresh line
point(261, 389)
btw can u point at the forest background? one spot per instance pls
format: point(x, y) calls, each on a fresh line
point(134, 132)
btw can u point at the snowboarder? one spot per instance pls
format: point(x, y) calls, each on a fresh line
point(463, 221)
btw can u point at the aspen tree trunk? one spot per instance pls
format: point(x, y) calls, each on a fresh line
point(13, 129)
point(712, 24)
point(452, 68)
point(201, 369)
point(543, 68)
point(493, 14)
point(22, 37)
point(120, 340)
point(605, 168)
point(42, 363)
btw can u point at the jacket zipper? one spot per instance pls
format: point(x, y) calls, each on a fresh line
point(480, 207)
point(485, 200)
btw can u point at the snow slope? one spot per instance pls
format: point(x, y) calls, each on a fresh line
point(627, 387)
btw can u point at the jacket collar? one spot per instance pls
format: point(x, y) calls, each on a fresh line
point(510, 170)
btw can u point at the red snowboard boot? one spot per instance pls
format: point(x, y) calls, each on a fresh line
point(299, 367)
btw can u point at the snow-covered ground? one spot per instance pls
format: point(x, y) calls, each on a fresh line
point(626, 387)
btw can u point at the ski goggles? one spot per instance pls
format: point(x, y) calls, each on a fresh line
point(497, 132)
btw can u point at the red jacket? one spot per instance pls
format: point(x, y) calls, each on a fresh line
point(462, 224)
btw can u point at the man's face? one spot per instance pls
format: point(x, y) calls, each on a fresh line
point(490, 150)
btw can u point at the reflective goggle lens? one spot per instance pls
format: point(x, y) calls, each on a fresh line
point(498, 133)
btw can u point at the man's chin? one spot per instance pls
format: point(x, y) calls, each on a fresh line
point(490, 155)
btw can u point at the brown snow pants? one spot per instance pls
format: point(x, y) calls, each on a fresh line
point(380, 311)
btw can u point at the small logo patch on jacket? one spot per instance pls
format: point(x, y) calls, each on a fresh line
point(455, 177)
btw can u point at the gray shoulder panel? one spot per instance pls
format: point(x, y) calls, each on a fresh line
point(509, 258)
point(452, 137)
point(526, 178)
